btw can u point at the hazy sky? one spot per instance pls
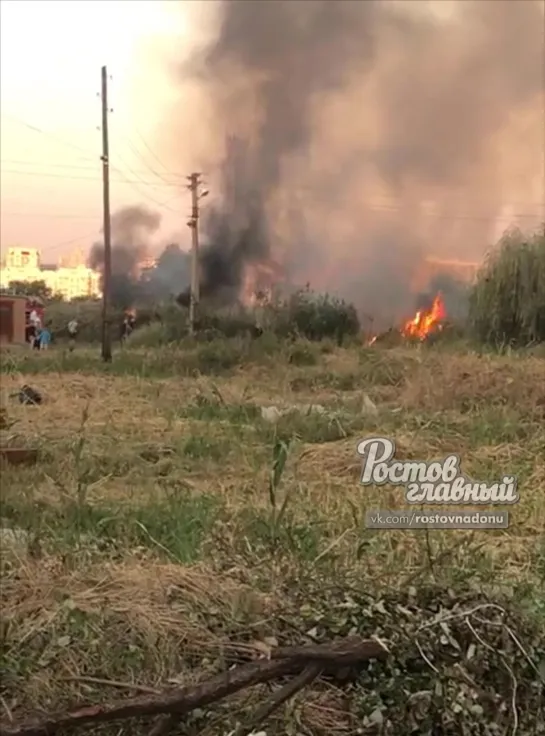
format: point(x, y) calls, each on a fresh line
point(51, 58)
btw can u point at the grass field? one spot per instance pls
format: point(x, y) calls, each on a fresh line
point(151, 545)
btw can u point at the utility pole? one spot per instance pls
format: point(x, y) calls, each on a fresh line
point(194, 186)
point(107, 269)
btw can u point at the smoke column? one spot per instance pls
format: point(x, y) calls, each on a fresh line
point(358, 137)
point(131, 231)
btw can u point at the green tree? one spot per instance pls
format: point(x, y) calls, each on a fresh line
point(32, 288)
point(507, 303)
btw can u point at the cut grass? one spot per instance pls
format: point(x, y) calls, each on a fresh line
point(158, 541)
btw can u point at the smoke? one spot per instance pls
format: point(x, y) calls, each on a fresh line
point(359, 137)
point(132, 231)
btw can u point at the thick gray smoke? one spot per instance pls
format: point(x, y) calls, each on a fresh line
point(132, 230)
point(369, 134)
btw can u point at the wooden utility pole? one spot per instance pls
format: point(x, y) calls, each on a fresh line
point(194, 184)
point(107, 269)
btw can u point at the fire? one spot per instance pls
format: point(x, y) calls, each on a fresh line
point(426, 320)
point(258, 282)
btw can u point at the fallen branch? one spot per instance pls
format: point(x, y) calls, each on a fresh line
point(181, 701)
point(112, 683)
point(308, 675)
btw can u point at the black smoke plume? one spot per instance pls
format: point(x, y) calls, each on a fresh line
point(132, 229)
point(369, 135)
point(235, 232)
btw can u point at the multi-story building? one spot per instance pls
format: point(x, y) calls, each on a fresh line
point(20, 264)
point(23, 258)
point(70, 282)
point(74, 282)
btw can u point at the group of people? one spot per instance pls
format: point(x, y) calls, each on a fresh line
point(38, 335)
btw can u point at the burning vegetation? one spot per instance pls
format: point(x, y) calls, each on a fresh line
point(426, 321)
point(355, 209)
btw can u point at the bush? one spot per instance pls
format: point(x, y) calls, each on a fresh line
point(305, 314)
point(149, 336)
point(315, 317)
point(507, 303)
point(88, 314)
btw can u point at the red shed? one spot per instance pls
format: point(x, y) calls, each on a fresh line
point(13, 319)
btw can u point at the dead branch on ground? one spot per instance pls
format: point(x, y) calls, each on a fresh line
point(306, 663)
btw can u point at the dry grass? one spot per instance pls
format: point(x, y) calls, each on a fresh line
point(152, 549)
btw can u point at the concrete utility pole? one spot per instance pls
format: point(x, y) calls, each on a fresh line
point(107, 272)
point(194, 186)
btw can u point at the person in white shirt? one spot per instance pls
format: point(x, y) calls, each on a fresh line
point(72, 333)
point(35, 319)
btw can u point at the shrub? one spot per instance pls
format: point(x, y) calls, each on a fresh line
point(88, 314)
point(149, 336)
point(314, 316)
point(311, 316)
point(507, 303)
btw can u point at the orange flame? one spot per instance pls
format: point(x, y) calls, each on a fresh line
point(426, 320)
point(258, 282)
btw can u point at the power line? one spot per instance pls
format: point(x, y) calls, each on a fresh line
point(139, 180)
point(71, 177)
point(124, 180)
point(36, 129)
point(62, 243)
point(150, 168)
point(374, 207)
point(50, 214)
point(151, 152)
point(74, 240)
point(70, 166)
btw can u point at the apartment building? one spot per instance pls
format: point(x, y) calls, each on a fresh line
point(70, 282)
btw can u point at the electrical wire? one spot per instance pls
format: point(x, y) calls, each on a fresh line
point(139, 181)
point(53, 175)
point(54, 137)
point(161, 164)
point(372, 206)
point(137, 153)
point(50, 214)
point(74, 167)
point(74, 240)
point(124, 179)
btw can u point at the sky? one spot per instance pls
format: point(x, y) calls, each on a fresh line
point(51, 186)
point(50, 137)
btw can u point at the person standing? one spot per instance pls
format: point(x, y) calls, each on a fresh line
point(30, 334)
point(72, 334)
point(127, 327)
point(45, 338)
point(36, 341)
